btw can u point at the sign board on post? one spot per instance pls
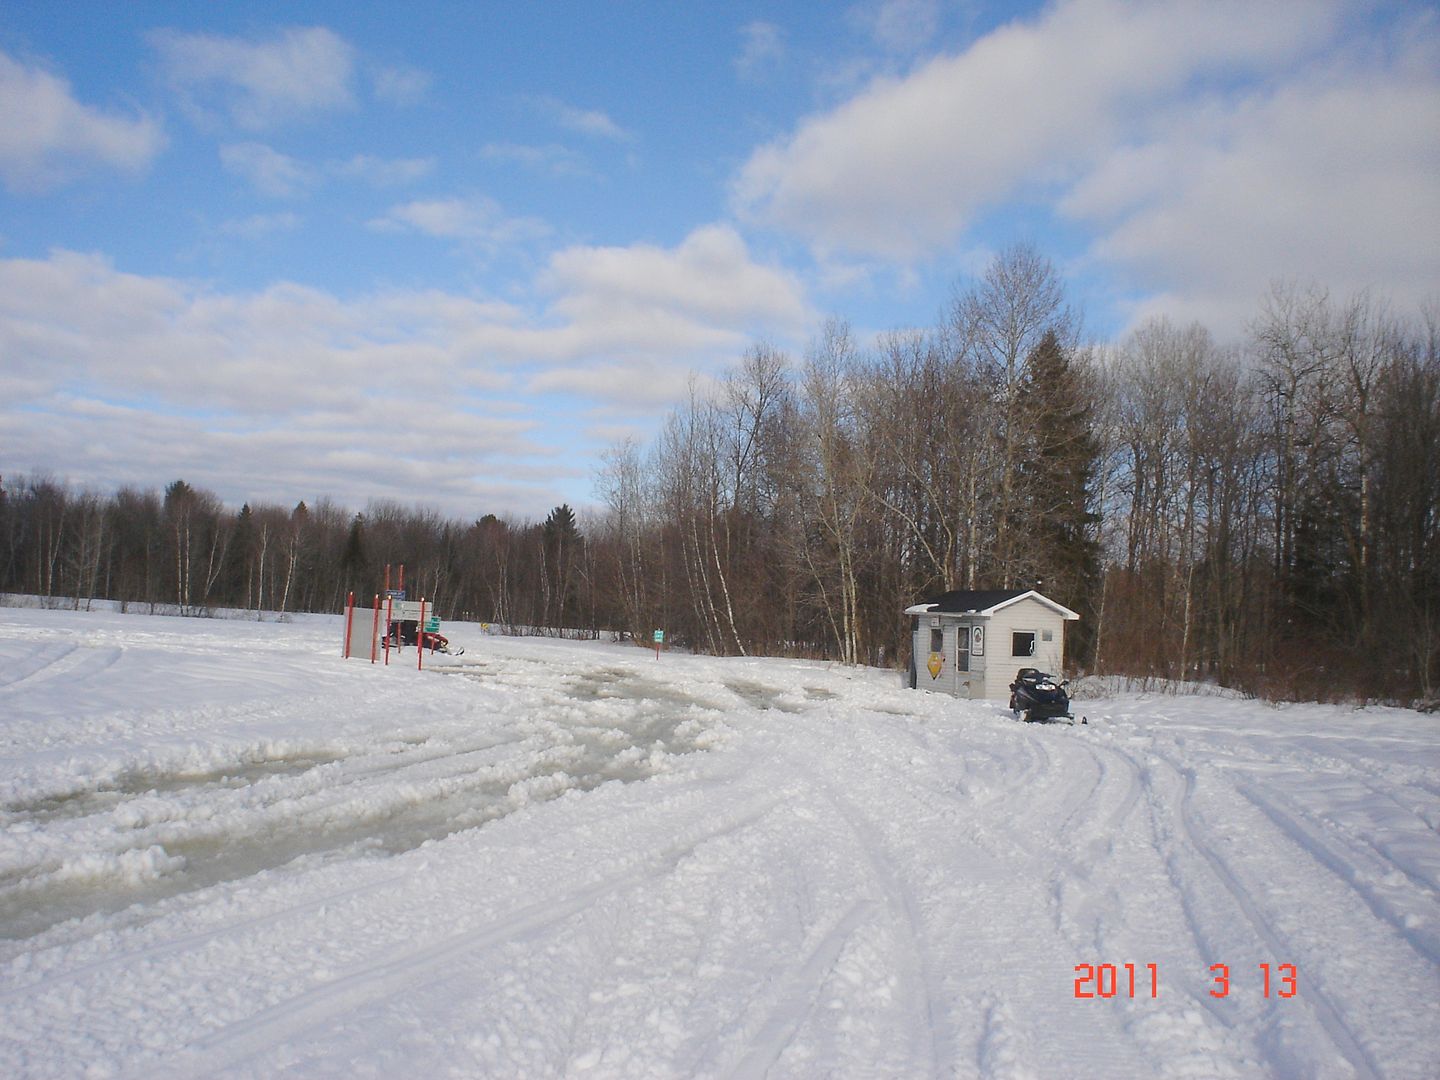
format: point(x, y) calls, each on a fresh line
point(406, 610)
point(659, 640)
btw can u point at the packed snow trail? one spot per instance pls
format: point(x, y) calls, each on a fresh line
point(227, 852)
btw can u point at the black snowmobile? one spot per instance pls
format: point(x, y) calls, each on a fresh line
point(1038, 697)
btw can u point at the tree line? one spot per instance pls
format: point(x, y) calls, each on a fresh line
point(1265, 515)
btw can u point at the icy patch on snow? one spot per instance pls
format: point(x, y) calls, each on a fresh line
point(149, 834)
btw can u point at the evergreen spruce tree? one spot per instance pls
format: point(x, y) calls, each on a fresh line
point(354, 561)
point(1058, 476)
point(561, 543)
point(238, 584)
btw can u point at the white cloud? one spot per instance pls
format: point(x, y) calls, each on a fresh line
point(344, 398)
point(898, 26)
point(551, 158)
point(591, 122)
point(708, 278)
point(1210, 148)
point(627, 326)
point(349, 459)
point(401, 86)
point(385, 172)
point(477, 220)
point(283, 350)
point(390, 394)
point(300, 72)
point(762, 49)
point(47, 137)
point(261, 225)
point(1332, 175)
point(281, 176)
point(902, 169)
point(268, 171)
point(640, 385)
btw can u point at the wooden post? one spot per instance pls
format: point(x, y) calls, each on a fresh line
point(349, 613)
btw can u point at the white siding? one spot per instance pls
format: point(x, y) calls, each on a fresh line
point(1028, 614)
point(952, 681)
point(991, 675)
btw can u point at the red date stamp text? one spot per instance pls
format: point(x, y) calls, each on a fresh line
point(1143, 980)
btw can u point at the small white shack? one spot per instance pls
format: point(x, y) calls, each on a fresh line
point(971, 642)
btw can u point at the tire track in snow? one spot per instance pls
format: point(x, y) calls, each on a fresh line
point(798, 997)
point(77, 662)
point(1133, 791)
point(1416, 871)
point(1192, 835)
point(1344, 866)
point(1065, 903)
point(1082, 896)
point(64, 652)
point(367, 984)
point(905, 911)
point(1070, 809)
point(1089, 825)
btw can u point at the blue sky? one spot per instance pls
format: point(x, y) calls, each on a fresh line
point(447, 253)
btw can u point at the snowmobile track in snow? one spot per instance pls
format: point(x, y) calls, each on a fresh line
point(1344, 867)
point(1193, 837)
point(67, 662)
point(799, 995)
point(374, 982)
point(904, 912)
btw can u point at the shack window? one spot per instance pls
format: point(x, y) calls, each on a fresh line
point(1023, 643)
point(937, 640)
point(962, 649)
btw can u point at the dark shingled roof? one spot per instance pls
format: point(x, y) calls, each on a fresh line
point(973, 599)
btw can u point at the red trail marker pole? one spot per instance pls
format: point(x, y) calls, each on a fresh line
point(389, 622)
point(375, 629)
point(420, 639)
point(349, 620)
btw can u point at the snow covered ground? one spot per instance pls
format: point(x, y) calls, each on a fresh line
point(228, 852)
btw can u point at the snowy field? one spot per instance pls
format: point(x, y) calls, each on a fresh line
point(228, 852)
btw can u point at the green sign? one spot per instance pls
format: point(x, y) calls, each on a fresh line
point(432, 626)
point(659, 636)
